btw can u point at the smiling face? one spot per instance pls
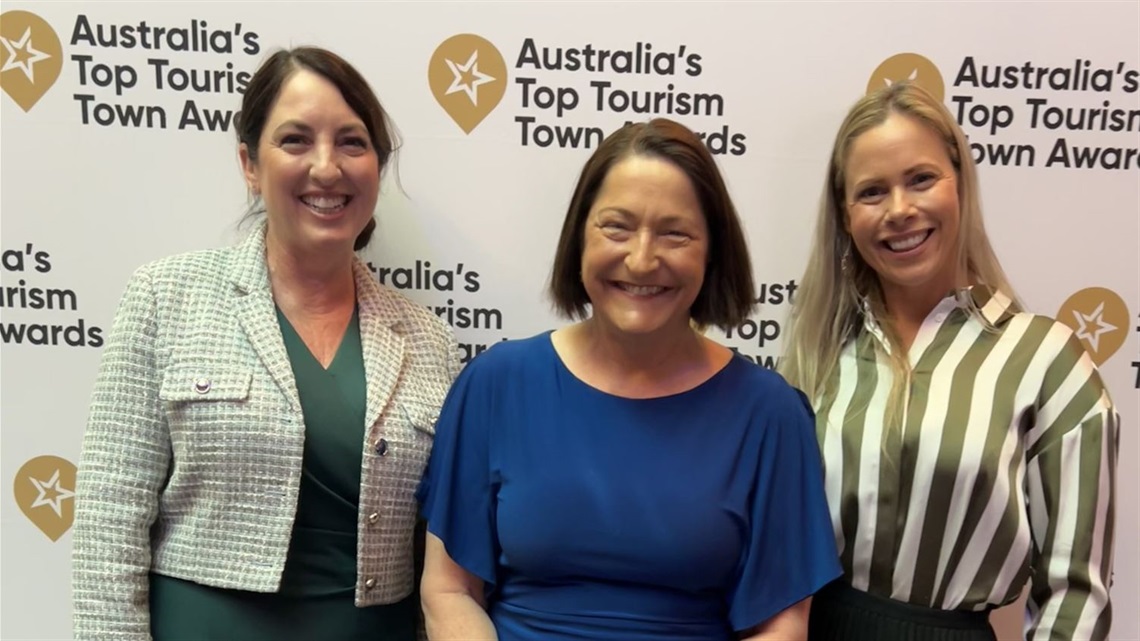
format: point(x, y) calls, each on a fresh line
point(315, 168)
point(901, 202)
point(645, 248)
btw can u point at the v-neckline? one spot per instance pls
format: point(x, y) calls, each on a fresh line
point(353, 321)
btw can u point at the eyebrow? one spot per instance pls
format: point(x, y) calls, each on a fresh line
point(625, 213)
point(621, 211)
point(910, 171)
point(301, 126)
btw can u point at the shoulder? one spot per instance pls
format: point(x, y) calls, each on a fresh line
point(187, 272)
point(770, 407)
point(1043, 336)
point(518, 362)
point(1056, 361)
point(495, 379)
point(198, 263)
point(507, 357)
point(414, 317)
point(766, 387)
point(1029, 332)
point(414, 321)
point(774, 421)
point(180, 277)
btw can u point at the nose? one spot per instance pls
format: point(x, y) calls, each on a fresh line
point(900, 204)
point(325, 170)
point(642, 256)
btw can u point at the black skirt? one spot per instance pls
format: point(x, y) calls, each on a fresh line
point(840, 612)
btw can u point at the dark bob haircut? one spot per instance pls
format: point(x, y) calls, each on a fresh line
point(728, 293)
point(266, 84)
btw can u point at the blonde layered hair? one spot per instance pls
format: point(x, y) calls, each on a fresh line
point(827, 311)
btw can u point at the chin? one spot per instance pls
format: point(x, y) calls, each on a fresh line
point(335, 236)
point(646, 326)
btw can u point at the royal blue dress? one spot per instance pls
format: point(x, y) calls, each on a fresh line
point(592, 516)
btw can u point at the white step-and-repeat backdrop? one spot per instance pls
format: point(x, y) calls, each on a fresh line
point(118, 149)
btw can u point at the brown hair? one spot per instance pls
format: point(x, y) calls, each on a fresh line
point(728, 293)
point(265, 86)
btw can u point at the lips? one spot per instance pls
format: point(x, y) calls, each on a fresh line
point(906, 243)
point(640, 290)
point(326, 204)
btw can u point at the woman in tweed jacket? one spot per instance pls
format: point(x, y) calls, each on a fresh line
point(264, 412)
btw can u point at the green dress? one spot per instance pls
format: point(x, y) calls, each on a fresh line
point(315, 601)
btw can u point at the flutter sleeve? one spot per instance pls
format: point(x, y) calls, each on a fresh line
point(457, 493)
point(791, 551)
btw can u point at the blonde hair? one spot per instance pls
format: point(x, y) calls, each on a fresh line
point(827, 311)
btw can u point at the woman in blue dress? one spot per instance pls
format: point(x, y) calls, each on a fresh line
point(627, 477)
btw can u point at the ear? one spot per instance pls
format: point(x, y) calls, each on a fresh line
point(845, 212)
point(249, 169)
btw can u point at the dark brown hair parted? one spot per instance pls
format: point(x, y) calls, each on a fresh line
point(266, 84)
point(727, 295)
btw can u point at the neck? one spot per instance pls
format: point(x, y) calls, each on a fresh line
point(907, 308)
point(910, 307)
point(642, 356)
point(316, 283)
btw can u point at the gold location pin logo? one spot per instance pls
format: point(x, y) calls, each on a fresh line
point(30, 57)
point(468, 78)
point(45, 492)
point(1100, 320)
point(912, 67)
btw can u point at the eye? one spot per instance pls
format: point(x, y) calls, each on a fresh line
point(677, 234)
point(613, 225)
point(293, 140)
point(355, 141)
point(923, 179)
point(872, 193)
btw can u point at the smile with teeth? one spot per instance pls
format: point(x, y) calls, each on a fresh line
point(907, 243)
point(325, 204)
point(640, 290)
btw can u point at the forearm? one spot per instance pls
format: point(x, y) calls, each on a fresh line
point(1071, 483)
point(789, 625)
point(453, 616)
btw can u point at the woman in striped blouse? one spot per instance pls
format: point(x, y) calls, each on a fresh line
point(969, 446)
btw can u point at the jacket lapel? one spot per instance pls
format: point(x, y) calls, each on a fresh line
point(253, 304)
point(380, 340)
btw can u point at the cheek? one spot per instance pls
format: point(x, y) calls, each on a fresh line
point(372, 170)
point(368, 167)
point(591, 255)
point(279, 171)
point(953, 208)
point(860, 221)
point(702, 260)
point(695, 262)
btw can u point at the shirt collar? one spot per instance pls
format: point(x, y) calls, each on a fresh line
point(995, 307)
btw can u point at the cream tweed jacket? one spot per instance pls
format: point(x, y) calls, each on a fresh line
point(191, 460)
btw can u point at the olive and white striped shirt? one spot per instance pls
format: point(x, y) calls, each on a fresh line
point(1003, 470)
